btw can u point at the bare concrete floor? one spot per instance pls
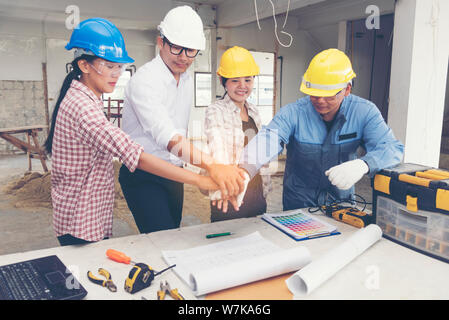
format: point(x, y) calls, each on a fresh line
point(24, 229)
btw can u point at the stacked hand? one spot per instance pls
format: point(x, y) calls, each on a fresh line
point(229, 178)
point(217, 199)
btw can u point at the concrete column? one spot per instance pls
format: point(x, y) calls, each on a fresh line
point(213, 62)
point(342, 31)
point(418, 77)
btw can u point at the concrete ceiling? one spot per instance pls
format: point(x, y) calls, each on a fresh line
point(146, 14)
point(232, 13)
point(132, 14)
point(208, 2)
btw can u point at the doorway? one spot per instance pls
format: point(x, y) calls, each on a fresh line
point(262, 95)
point(370, 52)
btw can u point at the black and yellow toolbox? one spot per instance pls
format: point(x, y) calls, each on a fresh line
point(411, 206)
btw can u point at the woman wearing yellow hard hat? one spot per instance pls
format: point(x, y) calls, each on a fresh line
point(230, 123)
point(322, 132)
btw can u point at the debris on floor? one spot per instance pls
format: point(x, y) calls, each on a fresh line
point(32, 190)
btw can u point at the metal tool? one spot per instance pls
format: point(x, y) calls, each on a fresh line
point(165, 288)
point(141, 274)
point(140, 277)
point(105, 283)
point(352, 216)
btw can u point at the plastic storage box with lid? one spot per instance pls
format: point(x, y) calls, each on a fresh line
point(411, 205)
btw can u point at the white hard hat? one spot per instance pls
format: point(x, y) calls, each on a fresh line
point(183, 26)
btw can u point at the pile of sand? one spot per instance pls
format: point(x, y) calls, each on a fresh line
point(34, 190)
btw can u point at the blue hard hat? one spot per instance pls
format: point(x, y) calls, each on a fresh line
point(102, 38)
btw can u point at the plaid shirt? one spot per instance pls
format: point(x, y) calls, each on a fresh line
point(225, 136)
point(84, 144)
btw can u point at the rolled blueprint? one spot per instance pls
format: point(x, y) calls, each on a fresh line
point(246, 271)
point(317, 272)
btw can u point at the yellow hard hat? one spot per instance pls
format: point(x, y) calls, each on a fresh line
point(237, 62)
point(329, 72)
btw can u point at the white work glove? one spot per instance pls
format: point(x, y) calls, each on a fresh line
point(345, 175)
point(216, 195)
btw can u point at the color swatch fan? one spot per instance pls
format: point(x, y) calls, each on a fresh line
point(300, 225)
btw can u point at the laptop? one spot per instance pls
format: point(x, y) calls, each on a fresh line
point(45, 278)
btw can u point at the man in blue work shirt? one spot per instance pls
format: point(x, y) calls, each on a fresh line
point(322, 132)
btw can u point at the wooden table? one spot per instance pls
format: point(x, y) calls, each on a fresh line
point(32, 150)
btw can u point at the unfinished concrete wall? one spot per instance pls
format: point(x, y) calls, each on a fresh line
point(24, 46)
point(21, 104)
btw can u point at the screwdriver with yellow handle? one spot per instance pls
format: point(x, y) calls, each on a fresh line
point(119, 256)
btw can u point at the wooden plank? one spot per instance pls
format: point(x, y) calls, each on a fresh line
point(45, 80)
point(23, 129)
point(30, 167)
point(42, 155)
point(18, 143)
point(32, 151)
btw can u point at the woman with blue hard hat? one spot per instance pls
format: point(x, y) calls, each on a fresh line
point(83, 142)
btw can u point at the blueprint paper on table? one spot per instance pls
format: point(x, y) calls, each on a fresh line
point(234, 262)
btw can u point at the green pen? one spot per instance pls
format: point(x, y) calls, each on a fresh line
point(218, 235)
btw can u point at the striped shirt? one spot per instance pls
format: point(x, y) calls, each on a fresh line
point(84, 144)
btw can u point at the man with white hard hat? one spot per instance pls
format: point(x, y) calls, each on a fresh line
point(156, 114)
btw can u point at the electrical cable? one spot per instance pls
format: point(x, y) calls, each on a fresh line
point(275, 23)
point(338, 203)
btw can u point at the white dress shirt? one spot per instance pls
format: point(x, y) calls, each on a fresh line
point(156, 108)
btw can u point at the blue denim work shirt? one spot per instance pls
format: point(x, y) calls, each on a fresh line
point(312, 149)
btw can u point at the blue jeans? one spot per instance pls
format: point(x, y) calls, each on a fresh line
point(68, 240)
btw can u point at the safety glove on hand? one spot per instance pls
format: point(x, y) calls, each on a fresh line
point(345, 175)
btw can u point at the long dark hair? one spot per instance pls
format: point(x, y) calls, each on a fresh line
point(72, 75)
point(223, 83)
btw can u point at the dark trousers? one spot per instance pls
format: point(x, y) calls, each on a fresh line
point(155, 202)
point(254, 204)
point(68, 240)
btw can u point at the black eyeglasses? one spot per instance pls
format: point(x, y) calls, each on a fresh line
point(177, 50)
